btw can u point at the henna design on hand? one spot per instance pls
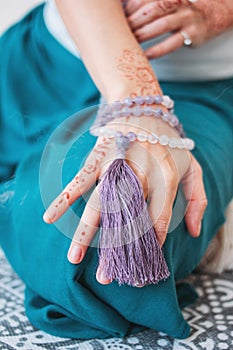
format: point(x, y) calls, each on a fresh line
point(218, 15)
point(64, 196)
point(135, 67)
point(98, 153)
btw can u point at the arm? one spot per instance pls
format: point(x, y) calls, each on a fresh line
point(119, 69)
point(105, 41)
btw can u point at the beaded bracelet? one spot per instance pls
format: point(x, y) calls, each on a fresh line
point(165, 101)
point(126, 108)
point(124, 140)
point(138, 111)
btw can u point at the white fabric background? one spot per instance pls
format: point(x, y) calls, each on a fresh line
point(12, 10)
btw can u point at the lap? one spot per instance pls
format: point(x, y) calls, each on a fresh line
point(80, 293)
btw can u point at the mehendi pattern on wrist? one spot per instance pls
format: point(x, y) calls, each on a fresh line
point(134, 66)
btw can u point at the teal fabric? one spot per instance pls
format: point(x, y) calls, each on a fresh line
point(41, 85)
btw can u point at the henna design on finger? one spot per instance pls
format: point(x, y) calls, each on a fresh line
point(92, 165)
point(100, 152)
point(64, 196)
point(134, 66)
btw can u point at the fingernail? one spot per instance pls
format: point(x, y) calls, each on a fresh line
point(50, 214)
point(101, 276)
point(75, 253)
point(149, 54)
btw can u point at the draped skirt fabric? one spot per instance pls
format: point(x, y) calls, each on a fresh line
point(41, 85)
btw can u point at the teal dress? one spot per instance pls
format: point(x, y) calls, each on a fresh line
point(41, 85)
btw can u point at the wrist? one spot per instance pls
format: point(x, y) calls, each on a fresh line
point(145, 124)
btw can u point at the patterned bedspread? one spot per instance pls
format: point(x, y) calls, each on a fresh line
point(211, 319)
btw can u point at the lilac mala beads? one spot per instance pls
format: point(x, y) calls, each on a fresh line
point(128, 248)
point(140, 106)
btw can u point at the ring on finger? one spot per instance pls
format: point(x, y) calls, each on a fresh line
point(187, 41)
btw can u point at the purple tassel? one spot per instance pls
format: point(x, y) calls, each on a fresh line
point(128, 248)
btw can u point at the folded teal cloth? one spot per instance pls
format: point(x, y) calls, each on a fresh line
point(41, 84)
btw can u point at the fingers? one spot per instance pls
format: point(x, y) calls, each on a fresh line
point(167, 46)
point(86, 230)
point(78, 186)
point(81, 183)
point(195, 193)
point(161, 201)
point(151, 11)
point(134, 5)
point(101, 278)
point(160, 26)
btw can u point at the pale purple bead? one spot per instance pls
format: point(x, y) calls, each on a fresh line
point(174, 120)
point(126, 111)
point(120, 154)
point(122, 142)
point(110, 133)
point(101, 131)
point(158, 99)
point(152, 138)
point(168, 102)
point(148, 111)
point(149, 100)
point(137, 111)
point(107, 109)
point(117, 105)
point(158, 112)
point(166, 116)
point(163, 140)
point(189, 144)
point(119, 134)
point(128, 101)
point(173, 142)
point(131, 136)
point(94, 131)
point(109, 117)
point(142, 136)
point(116, 114)
point(139, 100)
point(181, 144)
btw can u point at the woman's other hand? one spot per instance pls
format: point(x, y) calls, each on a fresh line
point(200, 20)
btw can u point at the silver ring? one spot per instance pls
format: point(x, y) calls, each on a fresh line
point(187, 39)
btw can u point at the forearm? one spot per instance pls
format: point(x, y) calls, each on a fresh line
point(108, 48)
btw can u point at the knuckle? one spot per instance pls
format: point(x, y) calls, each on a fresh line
point(161, 227)
point(187, 13)
point(171, 173)
point(167, 5)
point(164, 22)
point(203, 203)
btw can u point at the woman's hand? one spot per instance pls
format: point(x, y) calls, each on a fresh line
point(159, 169)
point(201, 20)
